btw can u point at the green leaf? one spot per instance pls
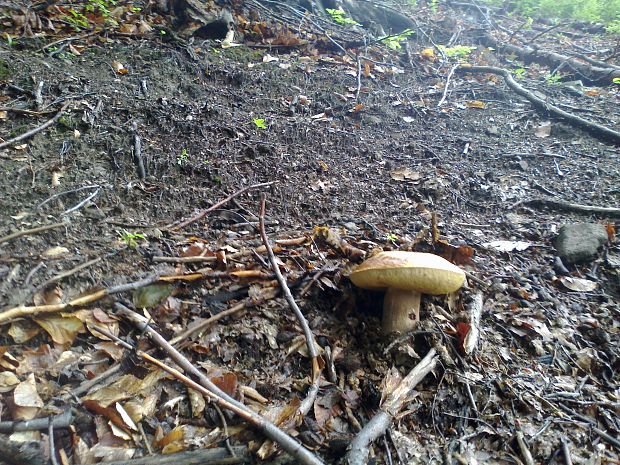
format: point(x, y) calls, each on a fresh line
point(260, 123)
point(151, 296)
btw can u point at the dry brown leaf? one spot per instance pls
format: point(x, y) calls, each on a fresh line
point(62, 329)
point(26, 399)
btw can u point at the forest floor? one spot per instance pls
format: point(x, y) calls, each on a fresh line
point(363, 152)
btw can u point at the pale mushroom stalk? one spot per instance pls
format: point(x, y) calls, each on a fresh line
point(401, 310)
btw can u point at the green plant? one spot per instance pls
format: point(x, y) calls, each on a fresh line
point(260, 123)
point(100, 6)
point(458, 51)
point(9, 39)
point(339, 16)
point(616, 81)
point(130, 238)
point(553, 78)
point(391, 237)
point(77, 20)
point(394, 41)
point(434, 4)
point(183, 157)
point(519, 72)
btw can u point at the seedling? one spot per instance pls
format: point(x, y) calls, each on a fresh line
point(553, 78)
point(260, 123)
point(183, 157)
point(391, 237)
point(458, 51)
point(77, 20)
point(519, 72)
point(616, 80)
point(394, 42)
point(339, 16)
point(131, 239)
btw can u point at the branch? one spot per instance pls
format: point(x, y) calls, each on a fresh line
point(204, 213)
point(287, 292)
point(575, 207)
point(26, 232)
point(393, 403)
point(36, 130)
point(595, 129)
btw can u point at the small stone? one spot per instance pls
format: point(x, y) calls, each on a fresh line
point(579, 242)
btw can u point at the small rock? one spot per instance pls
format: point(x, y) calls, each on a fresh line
point(579, 242)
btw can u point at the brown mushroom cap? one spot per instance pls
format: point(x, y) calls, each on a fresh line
point(423, 272)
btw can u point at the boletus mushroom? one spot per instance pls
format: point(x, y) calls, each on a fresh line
point(406, 275)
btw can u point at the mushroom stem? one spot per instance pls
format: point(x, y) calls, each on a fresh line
point(401, 311)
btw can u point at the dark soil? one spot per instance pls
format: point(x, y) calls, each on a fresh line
point(474, 168)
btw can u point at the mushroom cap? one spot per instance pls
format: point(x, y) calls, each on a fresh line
point(423, 272)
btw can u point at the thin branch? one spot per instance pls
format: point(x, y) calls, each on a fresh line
point(310, 343)
point(574, 207)
point(32, 231)
point(595, 129)
point(393, 403)
point(445, 89)
point(204, 213)
point(36, 130)
point(63, 420)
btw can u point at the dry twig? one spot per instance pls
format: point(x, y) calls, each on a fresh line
point(204, 213)
point(393, 403)
point(595, 129)
point(36, 130)
point(32, 231)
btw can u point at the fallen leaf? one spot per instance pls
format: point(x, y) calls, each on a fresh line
point(508, 246)
point(476, 104)
point(55, 252)
point(62, 329)
point(578, 284)
point(405, 174)
point(543, 130)
point(118, 67)
point(26, 399)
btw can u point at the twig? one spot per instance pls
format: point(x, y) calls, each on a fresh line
point(567, 206)
point(80, 204)
point(32, 231)
point(137, 152)
point(566, 451)
point(202, 325)
point(38, 94)
point(161, 259)
point(87, 385)
point(23, 111)
point(473, 335)
point(70, 272)
point(72, 191)
point(225, 428)
point(36, 130)
point(209, 389)
point(64, 420)
point(393, 403)
point(52, 446)
point(445, 89)
point(22, 310)
point(310, 343)
point(525, 450)
point(204, 213)
point(595, 129)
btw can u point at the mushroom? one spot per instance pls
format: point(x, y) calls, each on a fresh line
point(406, 275)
